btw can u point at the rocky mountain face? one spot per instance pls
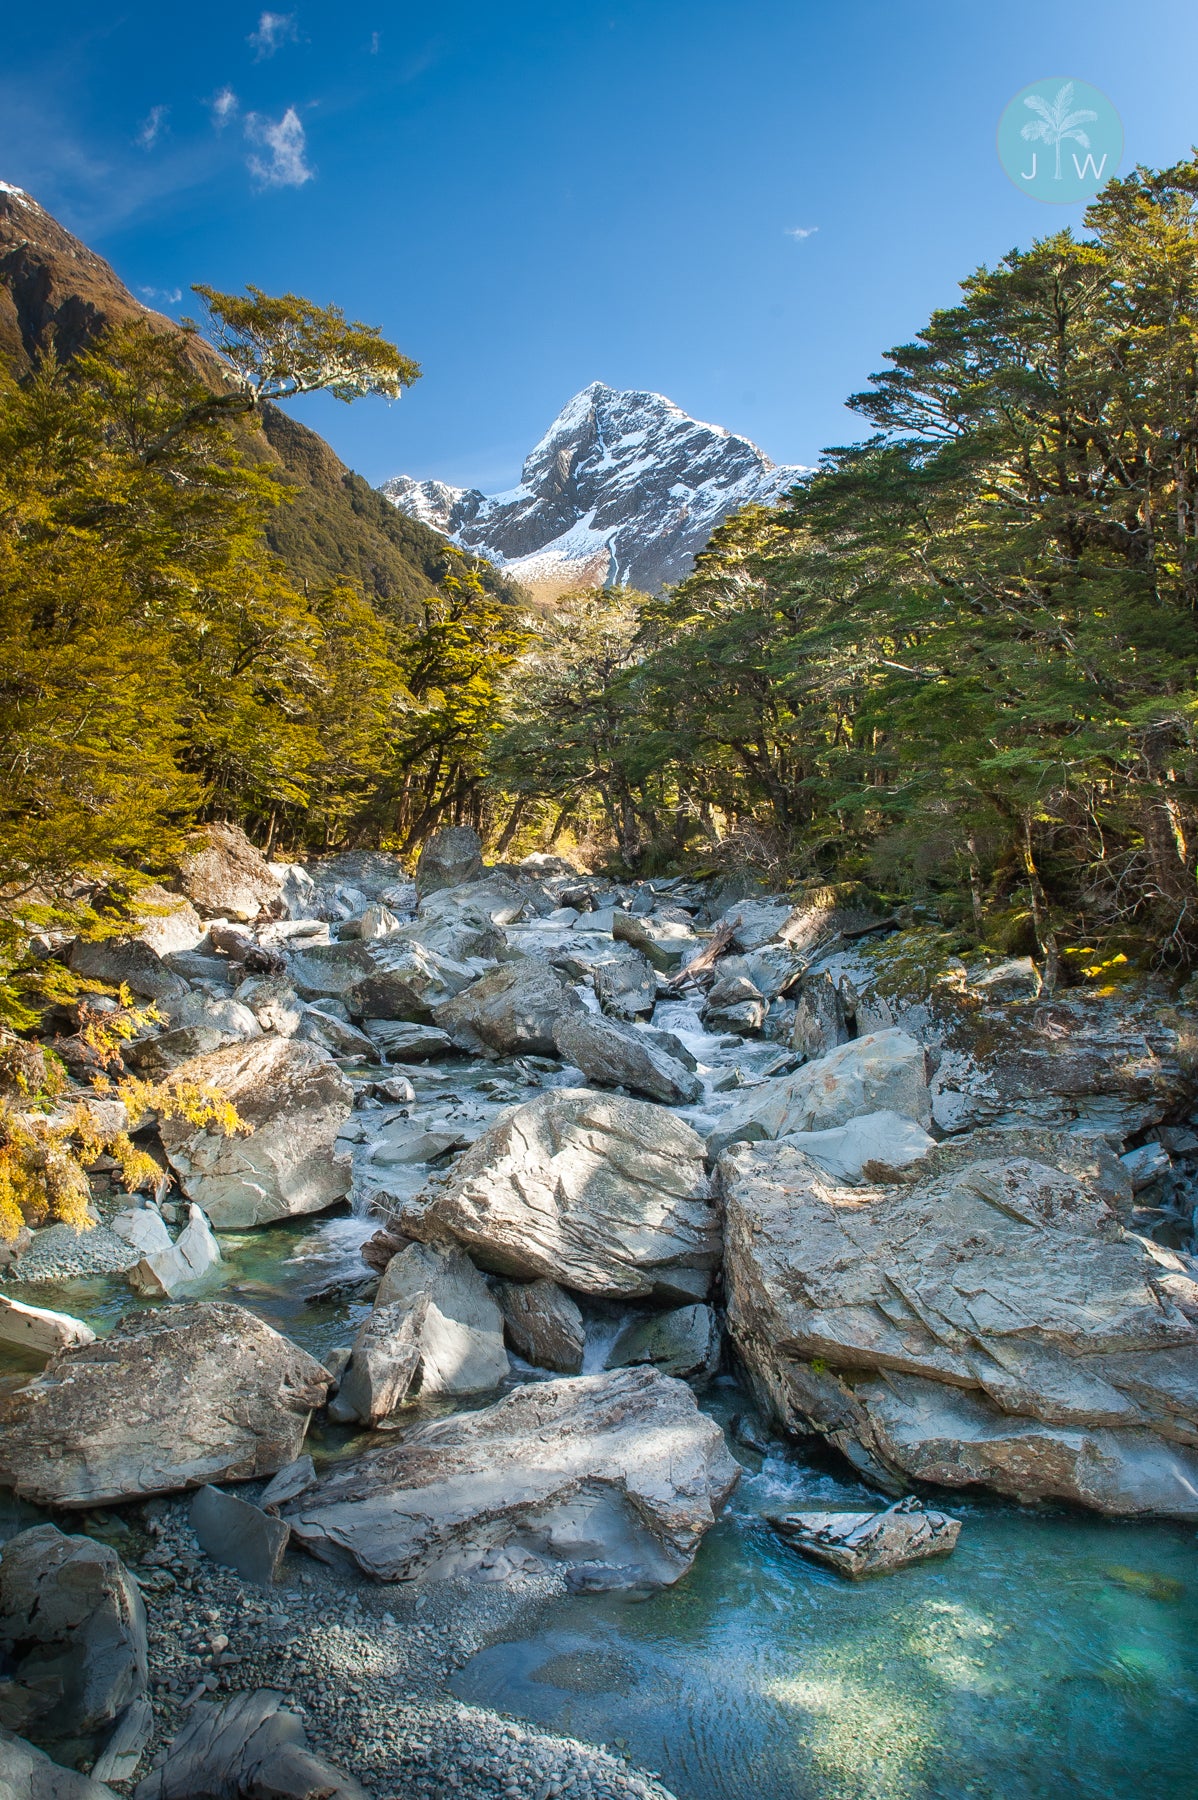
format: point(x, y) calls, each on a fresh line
point(623, 487)
point(57, 294)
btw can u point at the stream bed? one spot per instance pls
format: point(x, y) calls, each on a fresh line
point(1054, 1653)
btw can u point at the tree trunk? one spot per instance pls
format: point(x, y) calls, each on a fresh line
point(513, 824)
point(1045, 935)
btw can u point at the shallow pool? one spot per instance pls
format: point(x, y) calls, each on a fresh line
point(1052, 1654)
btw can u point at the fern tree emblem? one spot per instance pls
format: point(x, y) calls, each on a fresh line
point(1057, 122)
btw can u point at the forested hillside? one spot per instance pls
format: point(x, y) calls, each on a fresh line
point(959, 660)
point(961, 657)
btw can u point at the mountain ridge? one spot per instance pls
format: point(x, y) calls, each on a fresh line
point(57, 294)
point(624, 487)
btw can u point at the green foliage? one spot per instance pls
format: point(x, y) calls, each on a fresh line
point(962, 655)
point(285, 346)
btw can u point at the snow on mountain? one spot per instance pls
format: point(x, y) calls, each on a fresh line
point(623, 487)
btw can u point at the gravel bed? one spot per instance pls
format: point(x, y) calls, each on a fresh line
point(60, 1253)
point(365, 1666)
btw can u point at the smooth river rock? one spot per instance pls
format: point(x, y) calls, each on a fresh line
point(611, 1480)
point(459, 1338)
point(169, 1400)
point(38, 1330)
point(603, 1194)
point(295, 1100)
point(990, 1323)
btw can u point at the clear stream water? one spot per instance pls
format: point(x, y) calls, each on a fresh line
point(1053, 1654)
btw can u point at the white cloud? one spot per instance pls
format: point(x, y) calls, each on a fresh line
point(285, 141)
point(171, 296)
point(801, 231)
point(274, 30)
point(223, 107)
point(374, 43)
point(151, 127)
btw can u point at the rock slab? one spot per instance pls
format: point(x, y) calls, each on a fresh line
point(990, 1322)
point(171, 1399)
point(612, 1479)
point(248, 1748)
point(606, 1195)
point(294, 1101)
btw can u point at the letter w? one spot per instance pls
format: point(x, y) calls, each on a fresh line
point(1083, 169)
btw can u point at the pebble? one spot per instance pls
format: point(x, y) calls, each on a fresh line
point(368, 1682)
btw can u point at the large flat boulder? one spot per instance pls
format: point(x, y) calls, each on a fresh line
point(613, 1055)
point(510, 1012)
point(225, 877)
point(885, 1071)
point(606, 1195)
point(294, 1100)
point(171, 1399)
point(990, 1323)
point(610, 1480)
point(73, 1650)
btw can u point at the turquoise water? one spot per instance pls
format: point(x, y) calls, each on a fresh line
point(1054, 1654)
point(1050, 1655)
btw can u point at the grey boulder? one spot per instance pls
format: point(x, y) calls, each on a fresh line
point(383, 1364)
point(240, 1536)
point(884, 1071)
point(618, 1056)
point(544, 1325)
point(448, 859)
point(607, 1195)
point(129, 961)
point(29, 1774)
point(294, 1101)
point(870, 1543)
point(608, 1480)
point(169, 1400)
point(510, 1012)
point(683, 1342)
point(990, 1323)
point(73, 1644)
point(225, 877)
point(247, 1748)
point(625, 986)
point(460, 1335)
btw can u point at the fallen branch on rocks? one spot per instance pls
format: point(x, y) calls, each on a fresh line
point(721, 937)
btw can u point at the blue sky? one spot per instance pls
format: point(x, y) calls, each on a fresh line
point(529, 196)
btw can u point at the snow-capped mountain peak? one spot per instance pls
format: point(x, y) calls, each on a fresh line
point(623, 487)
